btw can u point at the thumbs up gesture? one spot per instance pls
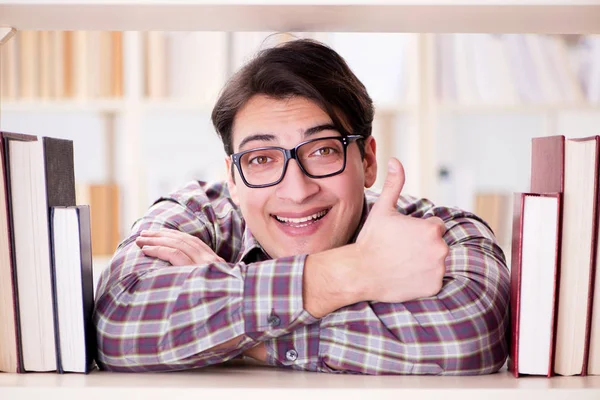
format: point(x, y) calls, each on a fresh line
point(403, 257)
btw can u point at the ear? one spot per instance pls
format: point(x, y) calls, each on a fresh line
point(231, 181)
point(370, 161)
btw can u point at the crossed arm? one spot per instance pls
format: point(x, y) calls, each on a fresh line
point(152, 315)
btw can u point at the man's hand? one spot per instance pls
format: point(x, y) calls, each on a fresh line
point(402, 258)
point(175, 247)
point(396, 258)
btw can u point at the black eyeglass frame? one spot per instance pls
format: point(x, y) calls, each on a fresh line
point(293, 154)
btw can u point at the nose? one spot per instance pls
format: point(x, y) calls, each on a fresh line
point(296, 186)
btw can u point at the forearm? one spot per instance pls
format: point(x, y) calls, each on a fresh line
point(460, 330)
point(331, 281)
point(168, 318)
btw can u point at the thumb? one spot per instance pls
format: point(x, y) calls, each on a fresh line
point(394, 182)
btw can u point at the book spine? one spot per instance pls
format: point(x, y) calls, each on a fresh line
point(59, 368)
point(590, 299)
point(515, 281)
point(556, 286)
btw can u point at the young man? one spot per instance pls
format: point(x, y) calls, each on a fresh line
point(292, 262)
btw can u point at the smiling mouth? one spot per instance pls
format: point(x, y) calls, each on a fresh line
point(302, 222)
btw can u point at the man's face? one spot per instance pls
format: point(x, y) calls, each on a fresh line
point(283, 123)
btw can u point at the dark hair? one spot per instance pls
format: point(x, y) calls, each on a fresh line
point(304, 68)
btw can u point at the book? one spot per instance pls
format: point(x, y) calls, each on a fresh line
point(60, 190)
point(60, 171)
point(9, 350)
point(10, 341)
point(578, 255)
point(493, 207)
point(73, 293)
point(117, 74)
point(31, 249)
point(534, 274)
point(104, 200)
point(548, 164)
point(10, 68)
point(594, 329)
point(29, 64)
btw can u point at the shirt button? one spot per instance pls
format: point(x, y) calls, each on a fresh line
point(291, 355)
point(274, 320)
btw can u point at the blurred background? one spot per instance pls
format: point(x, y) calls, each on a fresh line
point(459, 110)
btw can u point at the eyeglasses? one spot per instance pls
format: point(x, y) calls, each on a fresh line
point(317, 158)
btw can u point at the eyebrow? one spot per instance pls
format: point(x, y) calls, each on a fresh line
point(262, 137)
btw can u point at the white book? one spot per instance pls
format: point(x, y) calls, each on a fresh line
point(197, 65)
point(73, 287)
point(379, 60)
point(580, 197)
point(466, 91)
point(506, 90)
point(155, 60)
point(522, 69)
point(547, 80)
point(247, 44)
point(32, 254)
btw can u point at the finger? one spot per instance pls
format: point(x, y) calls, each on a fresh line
point(164, 241)
point(394, 182)
point(174, 257)
point(194, 247)
point(195, 255)
point(441, 225)
point(190, 239)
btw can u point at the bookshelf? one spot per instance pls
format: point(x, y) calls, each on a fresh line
point(555, 16)
point(423, 18)
point(256, 382)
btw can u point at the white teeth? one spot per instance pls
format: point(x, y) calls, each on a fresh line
point(303, 219)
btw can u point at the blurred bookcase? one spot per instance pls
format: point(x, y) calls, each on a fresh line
point(450, 138)
point(431, 92)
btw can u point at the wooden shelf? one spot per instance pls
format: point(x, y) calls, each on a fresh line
point(147, 105)
point(516, 108)
point(255, 382)
point(515, 16)
point(62, 105)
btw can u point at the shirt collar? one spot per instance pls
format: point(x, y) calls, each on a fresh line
point(363, 218)
point(251, 250)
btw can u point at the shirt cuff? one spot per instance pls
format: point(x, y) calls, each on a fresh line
point(297, 350)
point(273, 304)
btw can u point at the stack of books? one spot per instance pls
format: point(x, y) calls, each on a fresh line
point(46, 282)
point(555, 296)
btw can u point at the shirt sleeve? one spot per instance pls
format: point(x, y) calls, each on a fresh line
point(152, 316)
point(460, 331)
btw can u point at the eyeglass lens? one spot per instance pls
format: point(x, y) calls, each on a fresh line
point(318, 158)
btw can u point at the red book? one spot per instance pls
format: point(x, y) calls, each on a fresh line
point(578, 255)
point(548, 164)
point(534, 272)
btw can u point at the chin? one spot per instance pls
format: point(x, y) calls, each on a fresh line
point(289, 250)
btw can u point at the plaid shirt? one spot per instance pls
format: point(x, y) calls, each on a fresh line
point(151, 316)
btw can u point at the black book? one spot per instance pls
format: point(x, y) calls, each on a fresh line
point(60, 192)
point(60, 172)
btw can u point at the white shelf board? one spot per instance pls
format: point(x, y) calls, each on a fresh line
point(62, 105)
point(197, 105)
point(511, 16)
point(255, 382)
point(516, 108)
point(193, 105)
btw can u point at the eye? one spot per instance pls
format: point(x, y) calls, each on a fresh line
point(259, 160)
point(325, 151)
